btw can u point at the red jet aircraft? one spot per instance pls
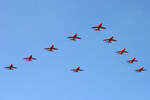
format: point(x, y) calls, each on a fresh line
point(97, 28)
point(140, 69)
point(122, 51)
point(74, 37)
point(30, 58)
point(76, 69)
point(11, 67)
point(51, 48)
point(110, 39)
point(132, 60)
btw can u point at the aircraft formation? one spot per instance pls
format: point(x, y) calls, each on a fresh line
point(74, 38)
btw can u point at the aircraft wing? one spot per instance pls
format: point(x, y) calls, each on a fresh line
point(55, 48)
point(117, 51)
point(114, 40)
point(69, 37)
point(126, 51)
point(25, 58)
point(81, 70)
point(78, 37)
point(95, 27)
point(103, 27)
point(106, 39)
point(72, 69)
point(136, 60)
point(34, 58)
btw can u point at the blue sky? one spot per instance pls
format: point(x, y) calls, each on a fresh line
point(29, 26)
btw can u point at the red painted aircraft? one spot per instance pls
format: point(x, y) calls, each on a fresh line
point(110, 39)
point(74, 37)
point(30, 58)
point(11, 67)
point(140, 69)
point(97, 28)
point(51, 48)
point(132, 60)
point(122, 51)
point(76, 69)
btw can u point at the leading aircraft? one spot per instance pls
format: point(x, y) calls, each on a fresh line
point(30, 58)
point(11, 67)
point(74, 37)
point(76, 69)
point(97, 28)
point(51, 48)
point(111, 38)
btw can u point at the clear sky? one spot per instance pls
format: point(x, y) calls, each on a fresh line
point(29, 26)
